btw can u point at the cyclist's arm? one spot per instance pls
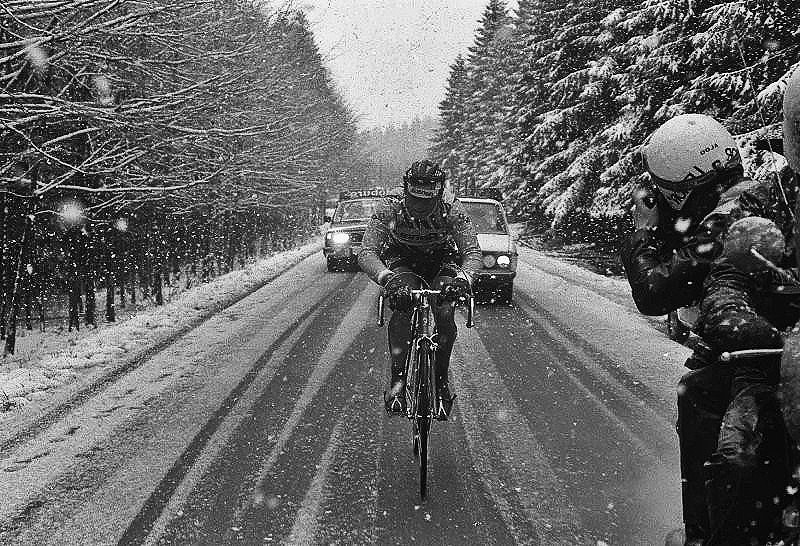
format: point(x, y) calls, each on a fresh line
point(376, 238)
point(466, 240)
point(729, 320)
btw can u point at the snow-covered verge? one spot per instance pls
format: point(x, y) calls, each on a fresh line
point(614, 287)
point(600, 311)
point(46, 364)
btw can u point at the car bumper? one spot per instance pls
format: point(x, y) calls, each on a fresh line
point(342, 252)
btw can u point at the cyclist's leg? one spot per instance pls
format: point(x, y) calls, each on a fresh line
point(446, 334)
point(400, 336)
point(703, 396)
point(749, 470)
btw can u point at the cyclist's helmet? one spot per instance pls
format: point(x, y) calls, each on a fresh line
point(424, 180)
point(688, 152)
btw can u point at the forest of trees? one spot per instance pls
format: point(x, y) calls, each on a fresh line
point(386, 152)
point(144, 140)
point(553, 100)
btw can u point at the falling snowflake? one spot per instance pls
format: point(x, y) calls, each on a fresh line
point(37, 57)
point(682, 225)
point(102, 86)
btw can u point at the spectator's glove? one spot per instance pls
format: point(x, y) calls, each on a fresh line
point(777, 279)
point(455, 289)
point(645, 212)
point(398, 293)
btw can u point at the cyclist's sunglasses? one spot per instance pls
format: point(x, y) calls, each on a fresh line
point(424, 189)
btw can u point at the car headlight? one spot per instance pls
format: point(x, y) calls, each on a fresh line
point(489, 261)
point(339, 238)
point(503, 260)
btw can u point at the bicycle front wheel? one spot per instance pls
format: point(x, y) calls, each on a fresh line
point(423, 426)
point(422, 417)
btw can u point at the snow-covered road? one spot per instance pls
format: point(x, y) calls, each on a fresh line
point(264, 424)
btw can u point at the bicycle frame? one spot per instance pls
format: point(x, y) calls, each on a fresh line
point(421, 356)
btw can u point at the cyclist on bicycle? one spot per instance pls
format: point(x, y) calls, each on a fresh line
point(421, 236)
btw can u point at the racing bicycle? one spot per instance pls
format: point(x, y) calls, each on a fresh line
point(420, 373)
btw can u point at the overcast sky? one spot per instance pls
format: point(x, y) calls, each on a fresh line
point(391, 59)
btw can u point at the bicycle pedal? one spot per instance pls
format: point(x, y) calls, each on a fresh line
point(393, 406)
point(444, 407)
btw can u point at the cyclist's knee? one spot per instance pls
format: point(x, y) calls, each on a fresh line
point(444, 313)
point(446, 327)
point(400, 319)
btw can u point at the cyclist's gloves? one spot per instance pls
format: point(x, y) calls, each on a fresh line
point(398, 293)
point(456, 289)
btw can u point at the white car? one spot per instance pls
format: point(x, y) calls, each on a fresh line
point(495, 281)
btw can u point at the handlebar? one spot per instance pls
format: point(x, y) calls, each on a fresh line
point(416, 294)
point(748, 353)
point(708, 355)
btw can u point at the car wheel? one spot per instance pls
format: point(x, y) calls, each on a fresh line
point(331, 264)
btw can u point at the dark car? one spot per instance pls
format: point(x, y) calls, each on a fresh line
point(346, 232)
point(495, 281)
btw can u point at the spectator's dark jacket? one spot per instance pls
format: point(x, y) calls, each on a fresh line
point(741, 311)
point(666, 266)
point(736, 314)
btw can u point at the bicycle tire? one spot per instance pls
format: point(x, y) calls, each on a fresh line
point(423, 418)
point(424, 427)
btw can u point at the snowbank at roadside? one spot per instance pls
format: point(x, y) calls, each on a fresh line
point(614, 288)
point(45, 361)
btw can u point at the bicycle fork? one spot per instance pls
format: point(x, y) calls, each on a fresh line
point(421, 379)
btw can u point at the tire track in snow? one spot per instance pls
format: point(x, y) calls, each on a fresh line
point(627, 395)
point(228, 428)
point(348, 510)
point(533, 506)
point(305, 526)
point(85, 393)
point(342, 338)
point(616, 457)
point(91, 473)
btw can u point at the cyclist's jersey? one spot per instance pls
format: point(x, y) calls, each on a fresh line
point(393, 235)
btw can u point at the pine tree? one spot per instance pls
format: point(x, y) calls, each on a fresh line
point(710, 57)
point(483, 104)
point(448, 138)
point(527, 85)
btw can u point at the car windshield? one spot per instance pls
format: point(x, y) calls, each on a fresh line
point(487, 217)
point(352, 211)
